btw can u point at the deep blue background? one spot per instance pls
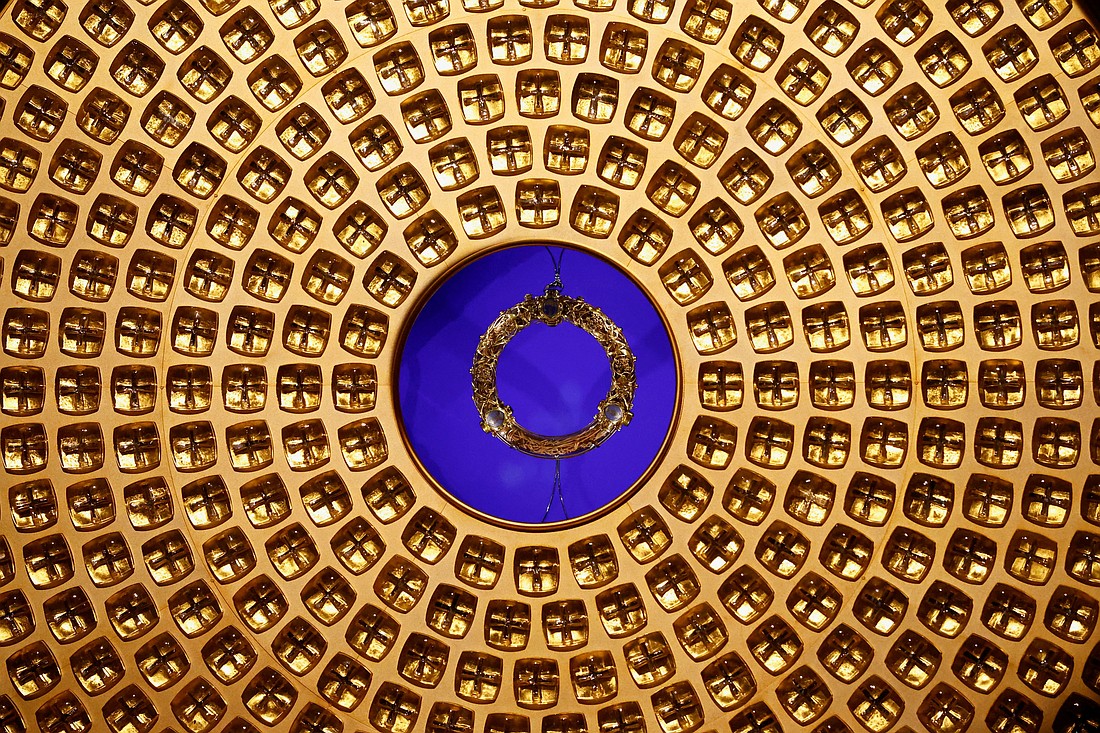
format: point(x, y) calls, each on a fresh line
point(552, 377)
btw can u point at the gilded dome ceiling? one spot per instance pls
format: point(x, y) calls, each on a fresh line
point(872, 227)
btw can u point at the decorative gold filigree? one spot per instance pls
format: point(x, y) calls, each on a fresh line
point(552, 308)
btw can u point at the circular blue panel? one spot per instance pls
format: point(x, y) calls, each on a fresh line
point(553, 377)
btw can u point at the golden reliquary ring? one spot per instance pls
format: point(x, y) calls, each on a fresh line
point(553, 308)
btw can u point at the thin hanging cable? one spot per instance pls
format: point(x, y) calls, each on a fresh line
point(556, 490)
point(557, 267)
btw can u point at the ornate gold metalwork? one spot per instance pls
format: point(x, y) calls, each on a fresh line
point(872, 228)
point(552, 309)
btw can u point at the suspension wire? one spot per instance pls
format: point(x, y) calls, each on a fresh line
point(557, 266)
point(556, 490)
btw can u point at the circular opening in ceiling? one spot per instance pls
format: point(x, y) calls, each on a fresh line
point(554, 379)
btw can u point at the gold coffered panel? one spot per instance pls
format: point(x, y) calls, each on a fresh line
point(873, 227)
